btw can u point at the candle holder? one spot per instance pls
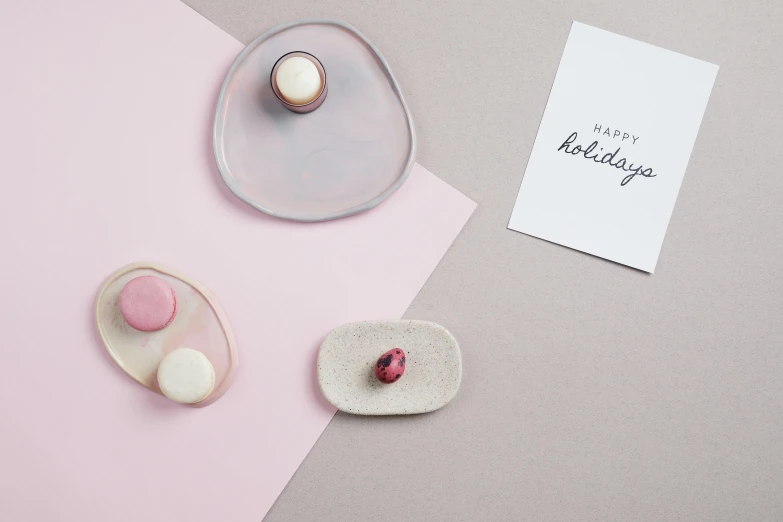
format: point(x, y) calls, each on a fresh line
point(309, 106)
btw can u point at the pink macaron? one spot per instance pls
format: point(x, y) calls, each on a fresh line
point(148, 303)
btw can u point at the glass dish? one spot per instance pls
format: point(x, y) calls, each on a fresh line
point(345, 157)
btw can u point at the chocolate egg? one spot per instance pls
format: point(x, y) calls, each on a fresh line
point(390, 366)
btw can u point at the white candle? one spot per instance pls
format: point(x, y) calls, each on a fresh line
point(298, 80)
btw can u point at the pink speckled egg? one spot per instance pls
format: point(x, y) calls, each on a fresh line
point(390, 366)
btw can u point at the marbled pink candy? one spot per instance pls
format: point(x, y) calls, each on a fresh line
point(390, 366)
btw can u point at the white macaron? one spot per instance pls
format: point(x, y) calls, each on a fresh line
point(186, 376)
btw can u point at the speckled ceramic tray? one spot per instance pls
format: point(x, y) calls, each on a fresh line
point(200, 324)
point(346, 367)
point(345, 157)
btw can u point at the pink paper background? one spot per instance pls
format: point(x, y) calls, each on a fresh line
point(105, 138)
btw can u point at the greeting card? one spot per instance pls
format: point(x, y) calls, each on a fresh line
point(613, 146)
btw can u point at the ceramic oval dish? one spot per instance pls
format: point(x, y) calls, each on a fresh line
point(200, 324)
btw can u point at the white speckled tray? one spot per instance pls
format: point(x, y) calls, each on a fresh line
point(348, 355)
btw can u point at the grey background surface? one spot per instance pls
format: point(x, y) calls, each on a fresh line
point(591, 391)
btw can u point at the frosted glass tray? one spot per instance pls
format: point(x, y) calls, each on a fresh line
point(345, 157)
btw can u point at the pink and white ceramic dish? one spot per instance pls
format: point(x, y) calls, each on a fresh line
point(199, 324)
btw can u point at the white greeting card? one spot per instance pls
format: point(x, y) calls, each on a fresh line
point(613, 147)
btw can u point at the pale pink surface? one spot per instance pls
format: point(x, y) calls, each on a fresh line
point(148, 303)
point(109, 103)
